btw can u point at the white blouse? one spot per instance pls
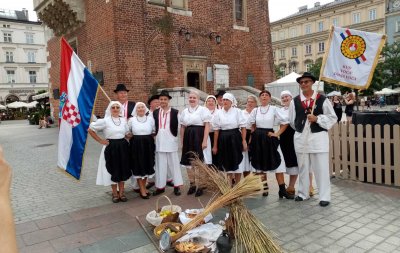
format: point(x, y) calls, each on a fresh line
point(231, 119)
point(267, 117)
point(142, 125)
point(246, 116)
point(113, 128)
point(195, 116)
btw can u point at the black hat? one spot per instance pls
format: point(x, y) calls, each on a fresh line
point(121, 87)
point(152, 98)
point(164, 93)
point(220, 93)
point(306, 74)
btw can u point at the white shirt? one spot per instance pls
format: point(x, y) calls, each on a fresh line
point(307, 142)
point(195, 116)
point(267, 117)
point(231, 119)
point(246, 116)
point(142, 125)
point(113, 128)
point(165, 141)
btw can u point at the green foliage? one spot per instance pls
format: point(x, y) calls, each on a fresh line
point(41, 92)
point(390, 67)
point(165, 24)
point(278, 72)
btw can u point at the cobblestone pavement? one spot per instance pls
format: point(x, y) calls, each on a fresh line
point(57, 214)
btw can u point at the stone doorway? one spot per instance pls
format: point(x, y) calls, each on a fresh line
point(193, 79)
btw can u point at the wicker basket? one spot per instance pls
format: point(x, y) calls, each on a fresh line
point(162, 226)
point(154, 218)
point(204, 250)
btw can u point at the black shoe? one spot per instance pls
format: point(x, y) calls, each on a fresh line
point(170, 184)
point(298, 198)
point(323, 203)
point(158, 192)
point(192, 189)
point(283, 193)
point(150, 184)
point(177, 191)
point(145, 197)
point(266, 188)
point(199, 192)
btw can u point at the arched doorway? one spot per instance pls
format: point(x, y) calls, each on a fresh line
point(193, 79)
point(11, 98)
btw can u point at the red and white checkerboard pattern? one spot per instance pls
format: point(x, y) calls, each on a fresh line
point(71, 114)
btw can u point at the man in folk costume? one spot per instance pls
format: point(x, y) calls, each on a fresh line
point(166, 120)
point(311, 139)
point(122, 96)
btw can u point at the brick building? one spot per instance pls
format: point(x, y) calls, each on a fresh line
point(206, 44)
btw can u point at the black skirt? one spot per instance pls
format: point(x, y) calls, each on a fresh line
point(264, 153)
point(287, 147)
point(192, 140)
point(229, 149)
point(117, 160)
point(142, 154)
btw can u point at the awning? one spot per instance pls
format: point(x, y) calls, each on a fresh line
point(40, 96)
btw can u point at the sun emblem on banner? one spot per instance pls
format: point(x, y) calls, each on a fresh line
point(353, 47)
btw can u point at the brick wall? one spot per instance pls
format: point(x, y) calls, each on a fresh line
point(120, 39)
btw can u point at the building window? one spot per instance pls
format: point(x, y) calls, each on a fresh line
point(273, 54)
point(335, 22)
point(31, 57)
point(356, 18)
point(11, 76)
point(308, 29)
point(372, 14)
point(294, 51)
point(6, 25)
point(398, 26)
point(7, 37)
point(320, 26)
point(32, 76)
point(308, 67)
point(321, 47)
point(239, 9)
point(282, 54)
point(282, 35)
point(282, 69)
point(180, 4)
point(29, 38)
point(273, 37)
point(293, 32)
point(293, 67)
point(308, 49)
point(9, 57)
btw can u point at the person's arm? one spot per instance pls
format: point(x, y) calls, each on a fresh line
point(215, 148)
point(205, 137)
point(282, 129)
point(98, 138)
point(244, 143)
point(8, 240)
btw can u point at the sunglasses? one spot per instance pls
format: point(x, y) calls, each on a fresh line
point(305, 81)
point(115, 107)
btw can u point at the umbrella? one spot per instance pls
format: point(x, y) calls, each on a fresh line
point(32, 104)
point(334, 93)
point(17, 104)
point(2, 107)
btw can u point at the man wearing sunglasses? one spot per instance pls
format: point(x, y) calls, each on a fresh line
point(311, 139)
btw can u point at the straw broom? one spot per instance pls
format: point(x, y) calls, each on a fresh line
point(249, 231)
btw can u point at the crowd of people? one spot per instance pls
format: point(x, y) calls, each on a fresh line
point(141, 143)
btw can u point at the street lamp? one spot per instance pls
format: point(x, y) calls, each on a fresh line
point(216, 36)
point(184, 31)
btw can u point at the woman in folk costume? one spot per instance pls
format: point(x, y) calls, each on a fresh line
point(142, 147)
point(195, 125)
point(113, 166)
point(266, 155)
point(251, 103)
point(167, 124)
point(211, 104)
point(229, 137)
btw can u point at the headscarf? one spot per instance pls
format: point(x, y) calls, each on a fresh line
point(231, 98)
point(134, 113)
point(108, 110)
point(211, 96)
point(286, 92)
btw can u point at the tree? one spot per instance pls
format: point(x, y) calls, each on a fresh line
point(278, 72)
point(390, 67)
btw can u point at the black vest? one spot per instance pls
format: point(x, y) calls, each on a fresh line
point(173, 126)
point(301, 114)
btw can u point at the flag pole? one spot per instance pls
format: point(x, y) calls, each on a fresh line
point(105, 94)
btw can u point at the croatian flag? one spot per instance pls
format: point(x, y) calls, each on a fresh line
point(78, 90)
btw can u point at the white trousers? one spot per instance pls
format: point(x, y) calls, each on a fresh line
point(320, 164)
point(168, 162)
point(135, 184)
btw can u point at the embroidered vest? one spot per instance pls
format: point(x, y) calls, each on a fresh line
point(173, 126)
point(302, 111)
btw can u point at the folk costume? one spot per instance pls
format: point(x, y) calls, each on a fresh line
point(245, 165)
point(229, 123)
point(142, 146)
point(114, 161)
point(311, 142)
point(266, 154)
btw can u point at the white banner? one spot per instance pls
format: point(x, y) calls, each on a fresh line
point(352, 57)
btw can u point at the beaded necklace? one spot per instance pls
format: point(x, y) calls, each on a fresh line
point(137, 118)
point(119, 121)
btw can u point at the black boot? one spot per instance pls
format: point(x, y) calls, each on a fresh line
point(266, 188)
point(283, 192)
